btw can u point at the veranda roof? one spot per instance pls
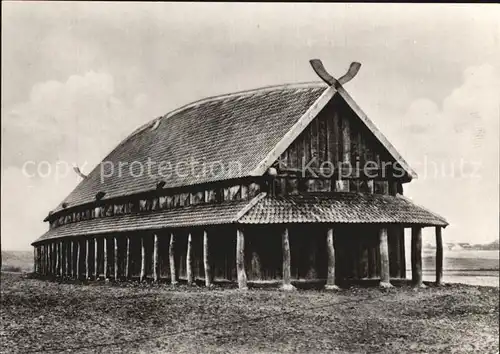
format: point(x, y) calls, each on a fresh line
point(335, 208)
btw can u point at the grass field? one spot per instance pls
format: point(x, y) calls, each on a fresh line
point(47, 316)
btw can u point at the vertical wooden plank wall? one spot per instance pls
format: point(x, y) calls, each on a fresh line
point(336, 135)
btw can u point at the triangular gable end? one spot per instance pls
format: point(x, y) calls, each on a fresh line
point(290, 137)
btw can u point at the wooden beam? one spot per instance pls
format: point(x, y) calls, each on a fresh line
point(189, 261)
point(66, 256)
point(155, 258)
point(240, 260)
point(61, 259)
point(143, 260)
point(416, 257)
point(439, 256)
point(105, 248)
point(115, 258)
point(56, 259)
point(50, 258)
point(127, 259)
point(171, 259)
point(49, 248)
point(78, 260)
point(346, 140)
point(72, 258)
point(384, 259)
point(96, 265)
point(206, 260)
point(287, 284)
point(87, 246)
point(330, 249)
point(34, 260)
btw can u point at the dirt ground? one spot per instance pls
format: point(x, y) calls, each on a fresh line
point(43, 316)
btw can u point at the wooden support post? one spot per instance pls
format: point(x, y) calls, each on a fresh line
point(384, 259)
point(346, 140)
point(115, 258)
point(45, 259)
point(287, 284)
point(330, 249)
point(189, 261)
point(87, 246)
point(60, 255)
point(143, 260)
point(48, 259)
point(206, 260)
point(105, 249)
point(155, 258)
point(96, 265)
point(56, 259)
point(78, 260)
point(51, 266)
point(34, 260)
point(41, 259)
point(416, 257)
point(127, 260)
point(66, 256)
point(240, 260)
point(171, 259)
point(439, 256)
point(72, 260)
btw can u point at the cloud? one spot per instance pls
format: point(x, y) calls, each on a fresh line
point(76, 122)
point(454, 148)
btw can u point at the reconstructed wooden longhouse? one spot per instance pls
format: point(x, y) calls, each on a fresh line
point(283, 184)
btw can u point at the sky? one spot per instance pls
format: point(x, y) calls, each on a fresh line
point(77, 78)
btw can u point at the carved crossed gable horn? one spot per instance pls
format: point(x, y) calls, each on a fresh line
point(320, 70)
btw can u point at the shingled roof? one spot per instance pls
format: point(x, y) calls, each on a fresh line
point(340, 207)
point(335, 207)
point(197, 215)
point(242, 127)
point(245, 132)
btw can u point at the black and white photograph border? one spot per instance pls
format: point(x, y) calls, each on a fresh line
point(250, 178)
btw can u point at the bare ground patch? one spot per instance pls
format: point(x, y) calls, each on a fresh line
point(48, 316)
